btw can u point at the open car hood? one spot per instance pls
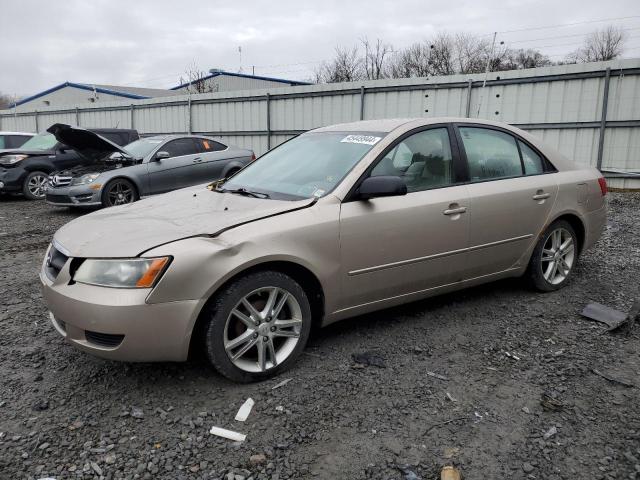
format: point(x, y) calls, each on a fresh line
point(89, 145)
point(129, 230)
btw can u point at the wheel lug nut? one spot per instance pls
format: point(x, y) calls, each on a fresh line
point(266, 339)
point(255, 335)
point(273, 329)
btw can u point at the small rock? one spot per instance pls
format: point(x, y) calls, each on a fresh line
point(526, 410)
point(96, 468)
point(258, 459)
point(137, 412)
point(527, 467)
point(110, 458)
point(550, 433)
point(41, 405)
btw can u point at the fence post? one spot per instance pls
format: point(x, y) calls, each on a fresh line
point(362, 102)
point(77, 117)
point(468, 110)
point(35, 117)
point(131, 122)
point(603, 117)
point(268, 121)
point(189, 115)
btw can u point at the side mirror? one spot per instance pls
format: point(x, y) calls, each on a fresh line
point(161, 154)
point(382, 186)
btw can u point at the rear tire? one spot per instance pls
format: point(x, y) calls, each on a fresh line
point(248, 345)
point(119, 191)
point(554, 258)
point(34, 185)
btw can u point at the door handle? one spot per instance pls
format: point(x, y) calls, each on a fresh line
point(197, 160)
point(455, 211)
point(541, 196)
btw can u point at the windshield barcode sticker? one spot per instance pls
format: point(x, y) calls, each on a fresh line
point(364, 139)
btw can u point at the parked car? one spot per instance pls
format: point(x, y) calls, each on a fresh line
point(26, 169)
point(151, 165)
point(12, 140)
point(337, 222)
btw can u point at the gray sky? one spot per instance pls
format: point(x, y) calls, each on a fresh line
point(151, 43)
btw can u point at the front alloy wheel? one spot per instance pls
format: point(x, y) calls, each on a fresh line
point(35, 185)
point(118, 192)
point(554, 257)
point(258, 326)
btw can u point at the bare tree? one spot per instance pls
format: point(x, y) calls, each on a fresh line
point(375, 58)
point(196, 80)
point(412, 61)
point(601, 45)
point(441, 55)
point(471, 53)
point(345, 67)
point(5, 101)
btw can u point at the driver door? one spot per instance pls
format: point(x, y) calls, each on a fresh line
point(171, 173)
point(397, 246)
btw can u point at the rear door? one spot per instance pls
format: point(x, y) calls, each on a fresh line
point(168, 174)
point(511, 193)
point(395, 246)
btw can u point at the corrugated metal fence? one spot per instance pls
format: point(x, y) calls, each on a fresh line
point(590, 112)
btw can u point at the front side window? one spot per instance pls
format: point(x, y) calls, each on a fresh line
point(180, 147)
point(491, 154)
point(310, 165)
point(423, 160)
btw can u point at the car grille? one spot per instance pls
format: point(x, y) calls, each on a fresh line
point(54, 263)
point(103, 339)
point(58, 199)
point(59, 180)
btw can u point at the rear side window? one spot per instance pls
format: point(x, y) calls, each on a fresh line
point(181, 147)
point(533, 163)
point(490, 154)
point(207, 145)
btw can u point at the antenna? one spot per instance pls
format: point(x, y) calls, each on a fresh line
point(486, 72)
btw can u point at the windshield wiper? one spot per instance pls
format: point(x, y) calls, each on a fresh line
point(243, 191)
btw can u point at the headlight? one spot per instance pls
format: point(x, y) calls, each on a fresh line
point(84, 179)
point(11, 159)
point(130, 273)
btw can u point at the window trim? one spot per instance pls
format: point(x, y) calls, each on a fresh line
point(455, 158)
point(202, 150)
point(547, 165)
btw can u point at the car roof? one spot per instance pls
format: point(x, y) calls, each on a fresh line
point(389, 124)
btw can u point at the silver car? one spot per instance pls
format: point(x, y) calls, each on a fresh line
point(337, 222)
point(114, 175)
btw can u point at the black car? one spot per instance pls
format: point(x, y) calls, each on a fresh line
point(26, 169)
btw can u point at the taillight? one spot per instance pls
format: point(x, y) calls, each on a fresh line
point(253, 157)
point(603, 186)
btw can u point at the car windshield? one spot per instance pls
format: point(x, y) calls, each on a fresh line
point(42, 141)
point(143, 147)
point(310, 165)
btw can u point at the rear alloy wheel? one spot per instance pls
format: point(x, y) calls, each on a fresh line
point(257, 327)
point(554, 257)
point(119, 192)
point(35, 185)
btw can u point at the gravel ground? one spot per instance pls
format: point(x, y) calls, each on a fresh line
point(495, 349)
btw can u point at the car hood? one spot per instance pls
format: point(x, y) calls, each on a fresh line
point(129, 230)
point(88, 144)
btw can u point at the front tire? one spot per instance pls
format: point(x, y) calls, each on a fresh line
point(119, 192)
point(34, 185)
point(257, 326)
point(554, 257)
